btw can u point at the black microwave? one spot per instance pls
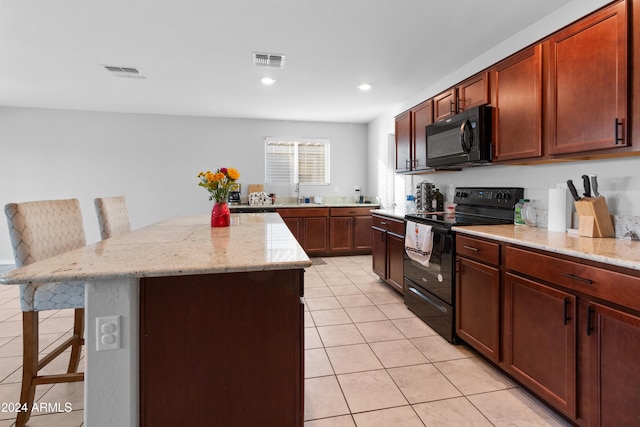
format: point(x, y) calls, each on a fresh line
point(461, 140)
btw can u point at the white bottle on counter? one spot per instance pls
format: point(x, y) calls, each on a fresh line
point(411, 204)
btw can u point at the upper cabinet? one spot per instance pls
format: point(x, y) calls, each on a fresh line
point(516, 94)
point(470, 93)
point(586, 106)
point(568, 96)
point(403, 142)
point(411, 143)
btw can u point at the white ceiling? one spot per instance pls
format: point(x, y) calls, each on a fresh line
point(197, 53)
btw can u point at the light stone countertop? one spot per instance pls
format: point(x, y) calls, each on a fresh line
point(174, 247)
point(392, 213)
point(306, 205)
point(622, 253)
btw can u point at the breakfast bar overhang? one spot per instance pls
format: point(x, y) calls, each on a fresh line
point(209, 322)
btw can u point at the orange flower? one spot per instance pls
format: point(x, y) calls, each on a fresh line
point(233, 173)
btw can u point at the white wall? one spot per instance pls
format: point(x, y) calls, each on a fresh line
point(619, 178)
point(151, 159)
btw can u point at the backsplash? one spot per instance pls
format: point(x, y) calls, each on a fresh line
point(624, 225)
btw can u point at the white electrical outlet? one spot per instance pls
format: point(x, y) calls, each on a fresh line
point(107, 333)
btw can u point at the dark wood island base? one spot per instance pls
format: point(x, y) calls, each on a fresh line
point(222, 349)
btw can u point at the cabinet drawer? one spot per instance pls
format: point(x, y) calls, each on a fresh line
point(396, 227)
point(480, 250)
point(350, 211)
point(302, 212)
point(598, 282)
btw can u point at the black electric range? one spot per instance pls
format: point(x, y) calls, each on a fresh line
point(429, 291)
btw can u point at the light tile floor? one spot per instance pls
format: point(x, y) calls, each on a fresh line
point(61, 404)
point(368, 362)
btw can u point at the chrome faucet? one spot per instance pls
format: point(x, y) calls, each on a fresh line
point(298, 192)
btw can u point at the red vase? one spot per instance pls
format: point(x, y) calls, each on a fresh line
point(220, 215)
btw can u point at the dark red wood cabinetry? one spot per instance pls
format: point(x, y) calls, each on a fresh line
point(587, 84)
point(388, 250)
point(540, 340)
point(241, 362)
point(411, 143)
point(478, 295)
point(470, 93)
point(350, 231)
point(516, 94)
point(310, 226)
point(614, 366)
point(565, 328)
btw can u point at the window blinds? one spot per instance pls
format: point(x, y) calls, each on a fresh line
point(291, 161)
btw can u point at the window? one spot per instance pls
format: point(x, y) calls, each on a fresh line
point(289, 161)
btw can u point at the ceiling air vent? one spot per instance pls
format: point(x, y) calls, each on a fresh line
point(271, 60)
point(125, 72)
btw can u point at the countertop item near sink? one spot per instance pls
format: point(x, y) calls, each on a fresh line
point(622, 253)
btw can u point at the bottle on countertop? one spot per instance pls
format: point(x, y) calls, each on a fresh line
point(518, 218)
point(411, 201)
point(437, 203)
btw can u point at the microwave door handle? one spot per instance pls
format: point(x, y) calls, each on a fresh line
point(465, 136)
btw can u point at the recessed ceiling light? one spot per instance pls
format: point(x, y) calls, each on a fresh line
point(267, 81)
point(365, 86)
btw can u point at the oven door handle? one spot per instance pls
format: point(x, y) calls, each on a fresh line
point(426, 298)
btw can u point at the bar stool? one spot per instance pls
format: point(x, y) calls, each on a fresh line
point(113, 216)
point(40, 230)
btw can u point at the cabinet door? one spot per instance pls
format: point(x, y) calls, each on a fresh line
point(473, 92)
point(316, 232)
point(478, 307)
point(422, 116)
point(341, 239)
point(444, 105)
point(295, 225)
point(587, 96)
point(403, 142)
point(362, 233)
point(517, 98)
point(614, 340)
point(540, 340)
point(379, 252)
point(395, 261)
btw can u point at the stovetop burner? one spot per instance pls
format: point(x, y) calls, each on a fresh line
point(476, 206)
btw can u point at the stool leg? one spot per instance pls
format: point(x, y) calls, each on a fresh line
point(78, 333)
point(29, 364)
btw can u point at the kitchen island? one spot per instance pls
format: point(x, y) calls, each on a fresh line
point(209, 322)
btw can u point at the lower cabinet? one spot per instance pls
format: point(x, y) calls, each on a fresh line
point(540, 340)
point(388, 250)
point(330, 231)
point(566, 329)
point(477, 306)
point(310, 226)
point(350, 231)
point(613, 338)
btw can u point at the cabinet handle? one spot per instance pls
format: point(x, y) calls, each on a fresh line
point(618, 123)
point(383, 223)
point(589, 314)
point(578, 278)
point(452, 108)
point(471, 248)
point(566, 310)
point(460, 107)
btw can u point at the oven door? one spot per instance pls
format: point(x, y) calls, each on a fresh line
point(437, 278)
point(434, 312)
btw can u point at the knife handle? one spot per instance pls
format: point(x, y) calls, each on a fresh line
point(586, 183)
point(594, 185)
point(572, 189)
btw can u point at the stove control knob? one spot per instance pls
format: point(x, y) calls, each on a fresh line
point(499, 195)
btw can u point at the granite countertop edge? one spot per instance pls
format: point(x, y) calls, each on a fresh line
point(621, 253)
point(177, 247)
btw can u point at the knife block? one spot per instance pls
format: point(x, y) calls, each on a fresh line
point(594, 219)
